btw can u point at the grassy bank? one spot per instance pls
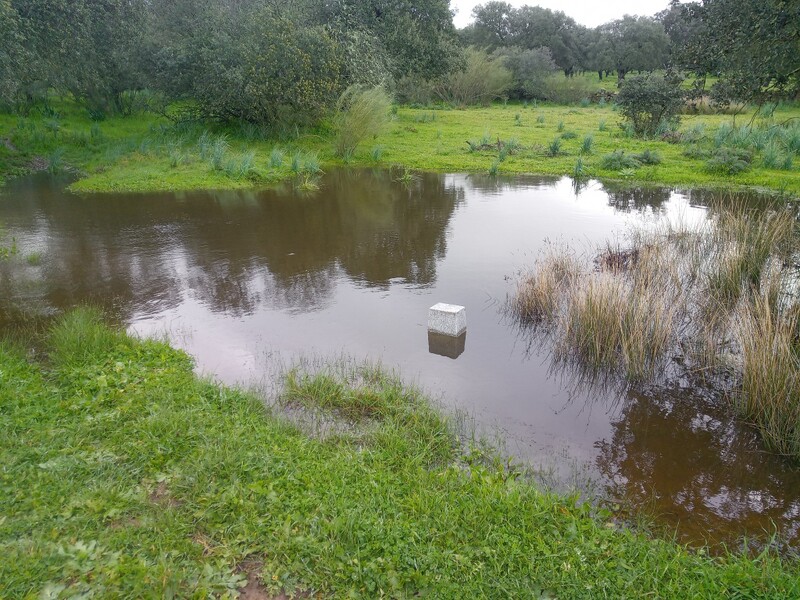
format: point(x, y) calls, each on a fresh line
point(124, 475)
point(147, 153)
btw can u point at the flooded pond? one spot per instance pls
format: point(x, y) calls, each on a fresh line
point(240, 278)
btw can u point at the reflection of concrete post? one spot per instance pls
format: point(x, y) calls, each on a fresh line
point(447, 345)
point(447, 319)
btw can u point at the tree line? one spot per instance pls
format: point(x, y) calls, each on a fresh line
point(281, 61)
point(750, 45)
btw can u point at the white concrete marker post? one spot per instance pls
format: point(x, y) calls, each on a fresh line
point(447, 319)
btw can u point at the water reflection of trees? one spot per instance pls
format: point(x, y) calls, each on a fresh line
point(232, 250)
point(628, 199)
point(698, 468)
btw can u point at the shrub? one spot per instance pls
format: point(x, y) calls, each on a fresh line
point(291, 76)
point(554, 149)
point(530, 69)
point(586, 146)
point(360, 113)
point(413, 89)
point(647, 102)
point(729, 161)
point(618, 160)
point(566, 90)
point(648, 157)
point(482, 80)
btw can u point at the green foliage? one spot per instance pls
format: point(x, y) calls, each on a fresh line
point(529, 68)
point(276, 158)
point(579, 171)
point(292, 76)
point(751, 44)
point(361, 113)
point(648, 101)
point(729, 161)
point(554, 148)
point(618, 160)
point(648, 157)
point(482, 80)
point(586, 145)
point(566, 90)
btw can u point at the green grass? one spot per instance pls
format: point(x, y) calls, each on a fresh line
point(124, 475)
point(143, 153)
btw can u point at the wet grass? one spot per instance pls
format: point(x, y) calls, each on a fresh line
point(146, 153)
point(126, 475)
point(722, 296)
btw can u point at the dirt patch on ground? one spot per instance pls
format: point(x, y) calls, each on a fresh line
point(39, 163)
point(255, 589)
point(162, 496)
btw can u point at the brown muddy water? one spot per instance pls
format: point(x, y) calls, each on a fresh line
point(240, 278)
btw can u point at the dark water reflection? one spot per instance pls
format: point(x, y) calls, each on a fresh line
point(238, 277)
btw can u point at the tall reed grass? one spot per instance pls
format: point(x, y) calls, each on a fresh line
point(722, 295)
point(361, 113)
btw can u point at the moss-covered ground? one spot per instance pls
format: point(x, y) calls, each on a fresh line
point(147, 153)
point(124, 475)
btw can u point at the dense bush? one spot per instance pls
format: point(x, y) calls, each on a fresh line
point(566, 90)
point(530, 69)
point(648, 102)
point(294, 75)
point(482, 80)
point(729, 161)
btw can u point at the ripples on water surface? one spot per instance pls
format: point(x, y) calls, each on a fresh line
point(236, 278)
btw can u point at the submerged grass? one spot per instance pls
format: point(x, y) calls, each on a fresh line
point(721, 295)
point(125, 475)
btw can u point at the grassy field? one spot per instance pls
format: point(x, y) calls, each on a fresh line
point(124, 475)
point(146, 153)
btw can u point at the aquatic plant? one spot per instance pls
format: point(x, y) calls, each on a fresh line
point(721, 294)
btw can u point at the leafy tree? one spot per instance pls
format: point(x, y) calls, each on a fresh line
point(492, 25)
point(417, 36)
point(483, 79)
point(290, 74)
point(600, 51)
point(753, 44)
point(498, 24)
point(637, 44)
point(650, 101)
point(11, 53)
point(530, 69)
point(536, 27)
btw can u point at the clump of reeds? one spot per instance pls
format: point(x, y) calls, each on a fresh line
point(722, 294)
point(539, 293)
point(768, 332)
point(361, 113)
point(612, 323)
